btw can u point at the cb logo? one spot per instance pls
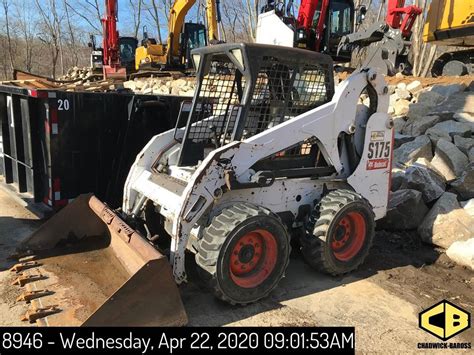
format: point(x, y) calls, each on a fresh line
point(444, 320)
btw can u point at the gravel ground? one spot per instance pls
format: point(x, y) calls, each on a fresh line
point(382, 300)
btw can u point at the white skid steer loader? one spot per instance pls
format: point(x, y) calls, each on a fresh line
point(267, 149)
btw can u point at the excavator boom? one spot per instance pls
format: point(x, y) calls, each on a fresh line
point(182, 37)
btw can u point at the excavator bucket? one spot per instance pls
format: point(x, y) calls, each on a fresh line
point(87, 267)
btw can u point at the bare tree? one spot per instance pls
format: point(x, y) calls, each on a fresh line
point(50, 34)
point(252, 19)
point(6, 8)
point(72, 36)
point(166, 8)
point(137, 15)
point(154, 13)
point(89, 11)
point(25, 24)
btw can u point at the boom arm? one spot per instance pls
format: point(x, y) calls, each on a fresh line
point(400, 17)
point(213, 18)
point(177, 16)
point(306, 16)
point(111, 35)
point(176, 22)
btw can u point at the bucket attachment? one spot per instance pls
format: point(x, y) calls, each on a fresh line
point(86, 266)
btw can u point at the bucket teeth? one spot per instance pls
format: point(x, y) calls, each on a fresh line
point(22, 280)
point(20, 254)
point(31, 295)
point(27, 258)
point(36, 313)
point(23, 266)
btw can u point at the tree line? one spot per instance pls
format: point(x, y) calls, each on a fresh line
point(47, 37)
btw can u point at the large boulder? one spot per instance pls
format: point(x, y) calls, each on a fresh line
point(401, 107)
point(446, 223)
point(414, 87)
point(464, 185)
point(418, 126)
point(465, 117)
point(461, 102)
point(470, 155)
point(418, 110)
point(468, 206)
point(430, 98)
point(462, 253)
point(405, 210)
point(401, 139)
point(393, 99)
point(403, 94)
point(448, 90)
point(428, 182)
point(407, 153)
point(401, 86)
point(399, 181)
point(449, 161)
point(398, 124)
point(464, 144)
point(447, 130)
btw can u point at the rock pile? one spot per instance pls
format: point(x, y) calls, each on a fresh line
point(162, 86)
point(433, 166)
point(77, 73)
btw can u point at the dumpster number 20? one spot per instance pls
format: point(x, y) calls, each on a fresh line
point(63, 105)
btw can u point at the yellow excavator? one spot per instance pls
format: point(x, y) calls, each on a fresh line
point(451, 23)
point(182, 38)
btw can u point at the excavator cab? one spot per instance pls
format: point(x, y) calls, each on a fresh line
point(340, 23)
point(337, 21)
point(192, 37)
point(127, 47)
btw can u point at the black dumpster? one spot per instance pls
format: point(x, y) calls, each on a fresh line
point(58, 144)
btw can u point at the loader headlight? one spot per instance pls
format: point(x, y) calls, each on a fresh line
point(196, 60)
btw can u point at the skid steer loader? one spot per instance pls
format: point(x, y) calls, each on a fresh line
point(267, 149)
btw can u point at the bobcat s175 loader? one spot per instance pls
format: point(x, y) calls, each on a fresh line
point(267, 149)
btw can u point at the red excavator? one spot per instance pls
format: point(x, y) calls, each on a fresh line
point(319, 25)
point(118, 53)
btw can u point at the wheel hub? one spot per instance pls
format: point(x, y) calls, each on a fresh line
point(246, 254)
point(253, 258)
point(349, 236)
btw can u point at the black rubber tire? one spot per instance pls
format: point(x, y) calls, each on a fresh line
point(321, 228)
point(218, 241)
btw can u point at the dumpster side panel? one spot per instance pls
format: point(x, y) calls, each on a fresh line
point(61, 144)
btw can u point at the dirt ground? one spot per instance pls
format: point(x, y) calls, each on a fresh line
point(382, 300)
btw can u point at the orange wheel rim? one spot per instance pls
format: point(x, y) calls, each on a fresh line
point(349, 236)
point(253, 258)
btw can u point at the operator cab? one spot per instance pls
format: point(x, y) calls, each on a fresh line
point(235, 101)
point(128, 45)
point(192, 37)
point(338, 22)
